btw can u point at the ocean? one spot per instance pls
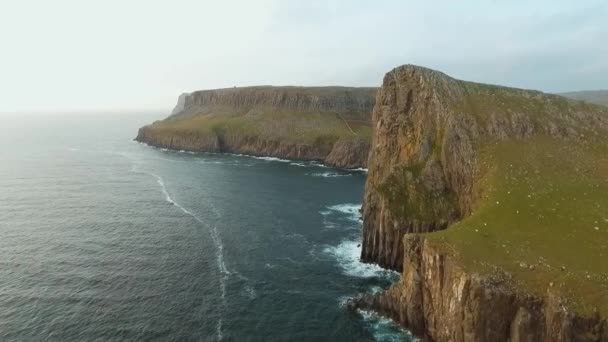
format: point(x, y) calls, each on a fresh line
point(104, 238)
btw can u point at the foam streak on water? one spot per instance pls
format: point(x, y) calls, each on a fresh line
point(217, 242)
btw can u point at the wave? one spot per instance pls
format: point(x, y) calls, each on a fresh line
point(352, 210)
point(271, 159)
point(347, 254)
point(384, 329)
point(359, 169)
point(329, 174)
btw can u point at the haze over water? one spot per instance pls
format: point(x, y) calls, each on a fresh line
point(105, 238)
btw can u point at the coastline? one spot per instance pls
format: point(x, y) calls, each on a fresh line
point(315, 162)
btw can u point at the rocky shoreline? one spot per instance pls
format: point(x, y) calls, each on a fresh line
point(350, 154)
point(319, 162)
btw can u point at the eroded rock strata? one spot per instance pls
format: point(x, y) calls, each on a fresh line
point(328, 124)
point(428, 129)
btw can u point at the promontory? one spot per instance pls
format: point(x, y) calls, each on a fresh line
point(326, 124)
point(493, 204)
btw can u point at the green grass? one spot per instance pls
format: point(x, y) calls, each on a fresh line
point(301, 127)
point(408, 197)
point(542, 202)
point(485, 100)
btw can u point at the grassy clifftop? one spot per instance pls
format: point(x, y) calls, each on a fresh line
point(290, 122)
point(541, 216)
point(506, 184)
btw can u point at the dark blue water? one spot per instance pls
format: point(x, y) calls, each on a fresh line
point(105, 238)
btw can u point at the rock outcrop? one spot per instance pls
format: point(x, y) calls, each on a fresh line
point(181, 104)
point(428, 130)
point(438, 300)
point(328, 124)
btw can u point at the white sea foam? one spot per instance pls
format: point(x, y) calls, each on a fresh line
point(343, 301)
point(384, 329)
point(347, 254)
point(359, 169)
point(271, 159)
point(351, 210)
point(317, 164)
point(329, 174)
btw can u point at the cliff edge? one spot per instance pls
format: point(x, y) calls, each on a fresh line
point(328, 124)
point(518, 178)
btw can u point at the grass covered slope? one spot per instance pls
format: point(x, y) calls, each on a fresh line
point(330, 124)
point(599, 97)
point(541, 216)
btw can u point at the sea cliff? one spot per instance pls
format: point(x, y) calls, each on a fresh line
point(327, 124)
point(470, 194)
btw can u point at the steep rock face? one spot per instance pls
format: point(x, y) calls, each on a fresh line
point(437, 299)
point(426, 125)
point(286, 122)
point(352, 103)
point(181, 104)
point(349, 153)
point(428, 129)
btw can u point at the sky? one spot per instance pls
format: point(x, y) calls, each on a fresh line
point(80, 55)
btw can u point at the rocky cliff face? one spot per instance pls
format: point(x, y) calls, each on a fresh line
point(181, 104)
point(352, 103)
point(437, 299)
point(428, 128)
point(286, 122)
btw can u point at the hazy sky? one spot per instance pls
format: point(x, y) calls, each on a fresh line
point(121, 54)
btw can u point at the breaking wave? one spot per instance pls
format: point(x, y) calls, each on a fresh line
point(329, 174)
point(351, 210)
point(384, 329)
point(347, 253)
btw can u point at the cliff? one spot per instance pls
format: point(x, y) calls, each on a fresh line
point(329, 124)
point(518, 178)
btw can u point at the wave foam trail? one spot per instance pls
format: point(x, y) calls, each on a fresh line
point(347, 254)
point(329, 174)
point(215, 237)
point(271, 159)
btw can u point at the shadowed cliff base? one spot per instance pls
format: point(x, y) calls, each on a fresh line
point(518, 178)
point(327, 124)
